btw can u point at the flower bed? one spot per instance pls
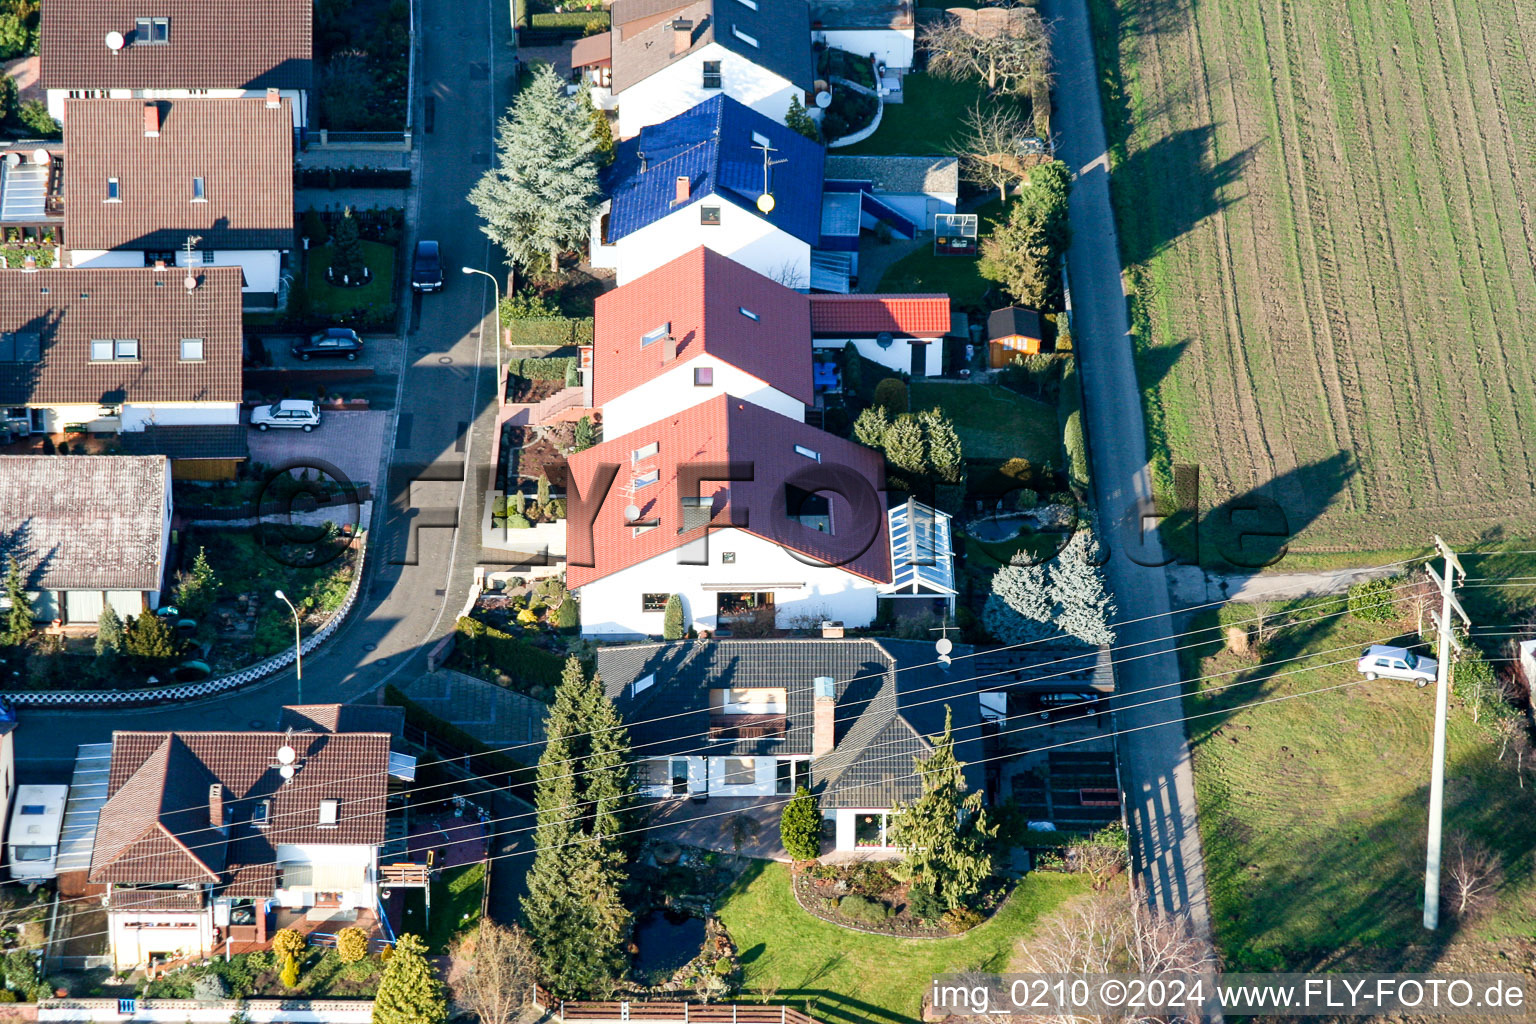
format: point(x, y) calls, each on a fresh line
point(866, 896)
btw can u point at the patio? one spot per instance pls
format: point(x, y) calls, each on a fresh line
point(710, 824)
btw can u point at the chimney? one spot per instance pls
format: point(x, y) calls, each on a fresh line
point(682, 36)
point(160, 265)
point(669, 349)
point(151, 120)
point(823, 716)
point(684, 187)
point(216, 805)
point(29, 264)
point(272, 99)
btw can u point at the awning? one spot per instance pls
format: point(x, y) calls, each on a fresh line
point(323, 877)
point(596, 49)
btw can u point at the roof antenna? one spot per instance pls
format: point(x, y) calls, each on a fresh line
point(190, 282)
point(766, 202)
point(943, 645)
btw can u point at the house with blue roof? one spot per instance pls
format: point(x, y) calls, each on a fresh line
point(720, 175)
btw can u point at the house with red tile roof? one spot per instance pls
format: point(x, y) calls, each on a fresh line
point(904, 333)
point(700, 326)
point(746, 514)
point(177, 49)
point(144, 177)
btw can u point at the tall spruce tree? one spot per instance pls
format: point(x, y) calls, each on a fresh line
point(18, 620)
point(944, 833)
point(347, 249)
point(1077, 587)
point(539, 199)
point(410, 991)
point(672, 619)
point(904, 445)
point(1019, 609)
point(607, 778)
point(945, 454)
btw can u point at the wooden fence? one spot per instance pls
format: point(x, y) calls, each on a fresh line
point(615, 1011)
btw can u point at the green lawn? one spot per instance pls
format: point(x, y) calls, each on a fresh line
point(994, 422)
point(928, 121)
point(957, 276)
point(792, 957)
point(329, 299)
point(456, 896)
point(1313, 810)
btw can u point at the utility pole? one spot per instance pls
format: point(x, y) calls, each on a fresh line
point(1447, 641)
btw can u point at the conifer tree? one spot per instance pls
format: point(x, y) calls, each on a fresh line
point(586, 436)
point(347, 250)
point(871, 426)
point(1077, 587)
point(904, 445)
point(800, 826)
point(798, 119)
point(410, 991)
point(539, 199)
point(109, 632)
point(945, 454)
point(607, 778)
point(18, 620)
point(672, 619)
point(1019, 609)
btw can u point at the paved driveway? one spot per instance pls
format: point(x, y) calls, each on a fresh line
point(353, 442)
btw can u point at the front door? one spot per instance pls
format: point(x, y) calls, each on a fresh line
point(679, 776)
point(919, 358)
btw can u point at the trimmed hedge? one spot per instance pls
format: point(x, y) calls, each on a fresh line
point(577, 20)
point(552, 332)
point(1073, 435)
point(548, 368)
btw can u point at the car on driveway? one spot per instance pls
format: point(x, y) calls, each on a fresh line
point(1381, 661)
point(333, 342)
point(289, 414)
point(427, 268)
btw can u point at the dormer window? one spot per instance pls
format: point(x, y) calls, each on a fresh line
point(712, 78)
point(330, 813)
point(261, 814)
point(199, 191)
point(151, 31)
point(655, 334)
point(644, 452)
point(739, 34)
point(114, 191)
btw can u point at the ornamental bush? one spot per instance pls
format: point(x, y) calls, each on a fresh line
point(1375, 600)
point(352, 945)
point(864, 909)
point(289, 943)
point(800, 826)
point(891, 393)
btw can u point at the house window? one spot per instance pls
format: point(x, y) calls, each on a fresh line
point(33, 809)
point(653, 602)
point(647, 478)
point(759, 139)
point(784, 783)
point(114, 191)
point(869, 828)
point(644, 452)
point(125, 348)
point(727, 558)
point(739, 34)
point(638, 530)
point(101, 351)
point(152, 31)
point(655, 334)
point(105, 350)
point(711, 74)
point(740, 771)
point(808, 508)
point(166, 256)
point(809, 453)
point(709, 216)
point(642, 684)
point(191, 349)
point(703, 376)
point(199, 192)
point(261, 814)
point(748, 313)
point(330, 811)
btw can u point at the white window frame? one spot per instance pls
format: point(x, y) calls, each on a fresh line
point(330, 813)
point(192, 358)
point(114, 191)
point(646, 479)
point(644, 452)
point(97, 348)
point(749, 40)
point(656, 334)
point(744, 311)
point(809, 453)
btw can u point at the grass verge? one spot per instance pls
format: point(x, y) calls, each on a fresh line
point(456, 897)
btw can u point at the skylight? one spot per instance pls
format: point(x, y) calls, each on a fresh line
point(809, 453)
point(114, 193)
point(642, 684)
point(655, 334)
point(750, 5)
point(199, 191)
point(329, 812)
point(644, 452)
point(739, 34)
point(748, 313)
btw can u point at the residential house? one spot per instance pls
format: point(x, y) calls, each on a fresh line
point(214, 838)
point(904, 333)
point(88, 531)
point(189, 182)
point(667, 57)
point(700, 326)
point(883, 29)
point(757, 718)
point(175, 50)
point(919, 188)
point(134, 352)
point(720, 175)
point(1012, 333)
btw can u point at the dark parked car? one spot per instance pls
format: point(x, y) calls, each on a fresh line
point(427, 268)
point(253, 353)
point(333, 341)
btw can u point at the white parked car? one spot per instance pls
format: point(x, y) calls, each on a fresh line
point(1397, 663)
point(290, 412)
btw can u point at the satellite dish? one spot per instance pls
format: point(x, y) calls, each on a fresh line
point(631, 513)
point(823, 99)
point(943, 645)
point(286, 754)
point(115, 41)
point(885, 339)
point(766, 203)
point(286, 771)
point(40, 156)
point(12, 159)
point(190, 284)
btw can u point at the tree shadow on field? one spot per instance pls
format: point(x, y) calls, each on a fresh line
point(1179, 187)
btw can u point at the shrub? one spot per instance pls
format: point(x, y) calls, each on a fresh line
point(586, 435)
point(526, 305)
point(672, 619)
point(517, 521)
point(290, 975)
point(288, 943)
point(568, 615)
point(555, 509)
point(924, 903)
point(351, 945)
point(209, 987)
point(800, 826)
point(547, 368)
point(869, 879)
point(961, 919)
point(891, 394)
point(1374, 600)
point(853, 370)
point(21, 970)
point(864, 909)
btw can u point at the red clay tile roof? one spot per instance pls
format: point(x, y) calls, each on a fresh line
point(154, 827)
point(905, 316)
point(242, 149)
point(722, 430)
point(65, 309)
point(211, 44)
point(701, 295)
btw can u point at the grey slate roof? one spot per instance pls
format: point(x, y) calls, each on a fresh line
point(85, 522)
point(889, 700)
point(203, 441)
point(782, 29)
point(898, 173)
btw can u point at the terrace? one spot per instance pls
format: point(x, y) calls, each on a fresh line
point(32, 195)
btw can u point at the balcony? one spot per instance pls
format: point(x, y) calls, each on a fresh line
point(746, 727)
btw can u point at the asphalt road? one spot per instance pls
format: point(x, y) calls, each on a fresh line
point(444, 419)
point(1156, 776)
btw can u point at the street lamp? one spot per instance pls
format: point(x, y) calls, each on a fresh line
point(495, 327)
point(298, 650)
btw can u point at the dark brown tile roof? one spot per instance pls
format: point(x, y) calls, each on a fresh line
point(155, 899)
point(343, 718)
point(773, 34)
point(212, 44)
point(54, 520)
point(143, 813)
point(241, 148)
point(1013, 321)
point(204, 441)
point(64, 309)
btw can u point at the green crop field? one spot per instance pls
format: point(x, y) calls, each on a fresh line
point(1328, 209)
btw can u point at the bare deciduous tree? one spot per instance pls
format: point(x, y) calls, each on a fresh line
point(492, 973)
point(1470, 875)
point(1009, 51)
point(989, 147)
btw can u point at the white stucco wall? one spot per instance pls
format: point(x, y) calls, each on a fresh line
point(897, 357)
point(674, 391)
point(298, 98)
point(135, 935)
point(136, 416)
point(680, 86)
point(742, 235)
point(611, 606)
point(105, 258)
point(892, 47)
point(262, 267)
